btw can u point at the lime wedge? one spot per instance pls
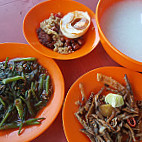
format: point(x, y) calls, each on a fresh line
point(114, 100)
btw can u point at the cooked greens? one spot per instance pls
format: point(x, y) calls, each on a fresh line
point(25, 88)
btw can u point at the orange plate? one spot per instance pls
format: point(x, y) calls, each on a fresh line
point(42, 11)
point(114, 53)
point(71, 125)
point(52, 109)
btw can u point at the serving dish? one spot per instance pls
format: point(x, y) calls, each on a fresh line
point(70, 123)
point(13, 50)
point(114, 53)
point(42, 11)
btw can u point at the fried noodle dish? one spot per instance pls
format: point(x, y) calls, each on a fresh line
point(115, 117)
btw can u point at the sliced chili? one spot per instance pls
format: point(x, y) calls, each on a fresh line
point(131, 121)
point(10, 68)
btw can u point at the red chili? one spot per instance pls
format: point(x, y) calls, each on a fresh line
point(10, 68)
point(131, 121)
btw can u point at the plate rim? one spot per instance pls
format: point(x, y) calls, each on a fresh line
point(63, 89)
point(62, 56)
point(79, 78)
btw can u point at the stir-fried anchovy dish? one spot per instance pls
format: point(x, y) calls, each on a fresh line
point(112, 114)
point(25, 88)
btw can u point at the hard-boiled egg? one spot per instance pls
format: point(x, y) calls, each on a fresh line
point(75, 24)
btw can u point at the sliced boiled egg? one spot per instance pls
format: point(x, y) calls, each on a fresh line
point(75, 24)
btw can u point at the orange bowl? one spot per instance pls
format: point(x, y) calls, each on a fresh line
point(116, 55)
point(52, 109)
point(70, 123)
point(42, 11)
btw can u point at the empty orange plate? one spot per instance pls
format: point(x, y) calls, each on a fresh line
point(71, 125)
point(42, 11)
point(52, 109)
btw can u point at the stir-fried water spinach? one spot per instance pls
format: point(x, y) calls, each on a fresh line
point(25, 88)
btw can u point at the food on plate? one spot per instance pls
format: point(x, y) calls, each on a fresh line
point(75, 24)
point(51, 35)
point(105, 122)
point(115, 100)
point(25, 88)
point(119, 23)
point(106, 109)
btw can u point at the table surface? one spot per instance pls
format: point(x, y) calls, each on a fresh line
point(12, 13)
